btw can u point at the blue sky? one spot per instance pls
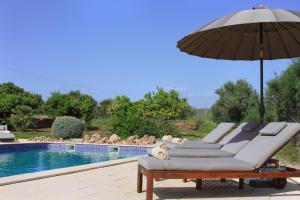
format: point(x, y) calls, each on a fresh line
point(119, 47)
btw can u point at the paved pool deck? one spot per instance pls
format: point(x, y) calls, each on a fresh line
point(119, 183)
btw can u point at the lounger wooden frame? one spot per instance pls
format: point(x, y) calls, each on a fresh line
point(199, 175)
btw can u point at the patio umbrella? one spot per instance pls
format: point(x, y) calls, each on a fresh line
point(256, 34)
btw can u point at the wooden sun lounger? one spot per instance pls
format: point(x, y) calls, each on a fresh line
point(279, 177)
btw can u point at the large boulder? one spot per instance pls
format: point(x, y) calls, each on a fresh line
point(114, 139)
point(152, 140)
point(130, 140)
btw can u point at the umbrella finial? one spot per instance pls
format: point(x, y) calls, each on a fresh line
point(260, 7)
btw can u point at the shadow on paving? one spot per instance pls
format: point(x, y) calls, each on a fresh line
point(218, 189)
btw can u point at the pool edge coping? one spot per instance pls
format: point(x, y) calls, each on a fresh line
point(85, 143)
point(62, 171)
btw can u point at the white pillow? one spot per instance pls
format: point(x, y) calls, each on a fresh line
point(273, 128)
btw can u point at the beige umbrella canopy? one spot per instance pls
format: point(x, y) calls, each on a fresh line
point(256, 34)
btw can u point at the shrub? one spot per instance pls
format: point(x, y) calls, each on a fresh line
point(156, 128)
point(72, 104)
point(21, 118)
point(67, 127)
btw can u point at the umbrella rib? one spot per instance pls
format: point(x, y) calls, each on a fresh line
point(224, 47)
point(213, 43)
point(240, 42)
point(196, 38)
point(282, 41)
point(288, 30)
point(254, 45)
point(201, 43)
point(269, 45)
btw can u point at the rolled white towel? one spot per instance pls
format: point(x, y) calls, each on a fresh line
point(167, 138)
point(177, 141)
point(161, 145)
point(159, 153)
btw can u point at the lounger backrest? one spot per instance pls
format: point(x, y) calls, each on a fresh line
point(241, 139)
point(262, 147)
point(3, 127)
point(216, 134)
point(232, 134)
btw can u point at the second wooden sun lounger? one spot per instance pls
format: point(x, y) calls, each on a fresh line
point(210, 140)
point(242, 136)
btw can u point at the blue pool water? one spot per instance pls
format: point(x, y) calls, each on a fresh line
point(26, 158)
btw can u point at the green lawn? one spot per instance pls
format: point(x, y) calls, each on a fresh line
point(289, 153)
point(202, 131)
point(27, 135)
point(103, 124)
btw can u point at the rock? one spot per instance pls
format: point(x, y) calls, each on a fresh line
point(124, 142)
point(152, 140)
point(104, 140)
point(130, 140)
point(136, 137)
point(96, 136)
point(114, 139)
point(77, 140)
point(86, 137)
point(92, 140)
point(167, 138)
point(145, 139)
point(138, 141)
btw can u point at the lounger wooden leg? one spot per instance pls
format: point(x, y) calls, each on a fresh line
point(198, 184)
point(149, 192)
point(241, 183)
point(139, 180)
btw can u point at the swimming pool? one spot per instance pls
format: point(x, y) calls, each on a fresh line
point(35, 157)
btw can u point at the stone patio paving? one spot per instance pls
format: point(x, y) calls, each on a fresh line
point(119, 183)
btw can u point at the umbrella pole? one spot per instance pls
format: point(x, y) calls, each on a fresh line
point(261, 55)
point(261, 106)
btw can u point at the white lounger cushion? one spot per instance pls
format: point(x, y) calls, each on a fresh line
point(232, 134)
point(273, 128)
point(194, 145)
point(228, 150)
point(199, 153)
point(202, 164)
point(6, 135)
point(263, 147)
point(218, 132)
point(243, 138)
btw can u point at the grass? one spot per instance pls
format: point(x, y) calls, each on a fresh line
point(289, 153)
point(202, 131)
point(103, 124)
point(27, 135)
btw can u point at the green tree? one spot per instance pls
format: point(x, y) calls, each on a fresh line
point(104, 107)
point(283, 93)
point(12, 96)
point(72, 104)
point(236, 102)
point(125, 116)
point(164, 105)
point(21, 118)
point(127, 120)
